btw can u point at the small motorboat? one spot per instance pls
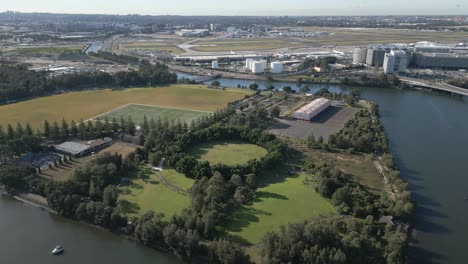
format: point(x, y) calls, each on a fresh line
point(57, 250)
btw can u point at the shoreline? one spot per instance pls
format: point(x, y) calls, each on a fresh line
point(34, 200)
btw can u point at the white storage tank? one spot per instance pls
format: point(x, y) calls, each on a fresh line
point(276, 67)
point(214, 65)
point(257, 67)
point(248, 64)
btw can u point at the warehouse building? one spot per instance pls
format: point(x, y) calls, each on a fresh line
point(395, 61)
point(312, 109)
point(441, 60)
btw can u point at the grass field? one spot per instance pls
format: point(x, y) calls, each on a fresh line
point(281, 201)
point(138, 112)
point(63, 172)
point(229, 153)
point(88, 104)
point(50, 49)
point(156, 46)
point(152, 194)
point(250, 44)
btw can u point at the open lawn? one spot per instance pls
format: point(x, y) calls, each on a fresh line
point(152, 193)
point(361, 168)
point(156, 46)
point(88, 104)
point(249, 44)
point(63, 172)
point(138, 112)
point(49, 49)
point(284, 199)
point(227, 152)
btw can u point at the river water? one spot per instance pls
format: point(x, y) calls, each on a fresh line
point(428, 136)
point(28, 235)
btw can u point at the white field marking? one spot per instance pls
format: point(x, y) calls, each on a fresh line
point(154, 106)
point(94, 117)
point(176, 108)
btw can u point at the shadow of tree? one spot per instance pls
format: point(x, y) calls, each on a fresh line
point(128, 207)
point(265, 195)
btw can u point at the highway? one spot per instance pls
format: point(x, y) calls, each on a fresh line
point(435, 86)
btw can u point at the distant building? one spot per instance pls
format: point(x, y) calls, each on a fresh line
point(441, 60)
point(312, 109)
point(395, 61)
point(375, 57)
point(360, 55)
point(214, 65)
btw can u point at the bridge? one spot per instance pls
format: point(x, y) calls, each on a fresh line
point(440, 86)
point(203, 79)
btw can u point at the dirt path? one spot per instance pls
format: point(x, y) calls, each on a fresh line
point(388, 188)
point(167, 182)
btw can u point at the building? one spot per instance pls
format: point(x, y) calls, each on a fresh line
point(375, 57)
point(276, 67)
point(214, 65)
point(396, 61)
point(312, 109)
point(79, 149)
point(441, 60)
point(360, 55)
point(257, 67)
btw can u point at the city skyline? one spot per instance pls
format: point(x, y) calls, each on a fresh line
point(243, 7)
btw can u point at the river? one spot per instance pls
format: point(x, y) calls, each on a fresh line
point(427, 133)
point(28, 235)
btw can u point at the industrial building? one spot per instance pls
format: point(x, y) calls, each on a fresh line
point(360, 55)
point(219, 58)
point(256, 66)
point(312, 109)
point(375, 57)
point(79, 149)
point(441, 60)
point(276, 67)
point(214, 65)
point(395, 61)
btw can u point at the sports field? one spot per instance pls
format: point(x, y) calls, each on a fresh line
point(227, 152)
point(286, 199)
point(137, 112)
point(91, 103)
point(151, 193)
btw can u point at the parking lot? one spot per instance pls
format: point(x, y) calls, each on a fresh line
point(42, 159)
point(326, 123)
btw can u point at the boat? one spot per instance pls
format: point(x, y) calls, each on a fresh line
point(57, 250)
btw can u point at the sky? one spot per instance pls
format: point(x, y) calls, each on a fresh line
point(242, 7)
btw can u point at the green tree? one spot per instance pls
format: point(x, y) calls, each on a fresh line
point(215, 83)
point(275, 112)
point(287, 89)
point(64, 130)
point(55, 131)
point(73, 128)
point(28, 131)
point(19, 130)
point(46, 129)
point(253, 86)
point(305, 89)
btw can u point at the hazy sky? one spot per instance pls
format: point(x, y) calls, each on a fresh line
point(242, 7)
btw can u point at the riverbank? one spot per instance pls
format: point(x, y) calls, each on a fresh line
point(34, 200)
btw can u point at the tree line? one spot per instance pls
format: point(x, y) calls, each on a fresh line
point(19, 83)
